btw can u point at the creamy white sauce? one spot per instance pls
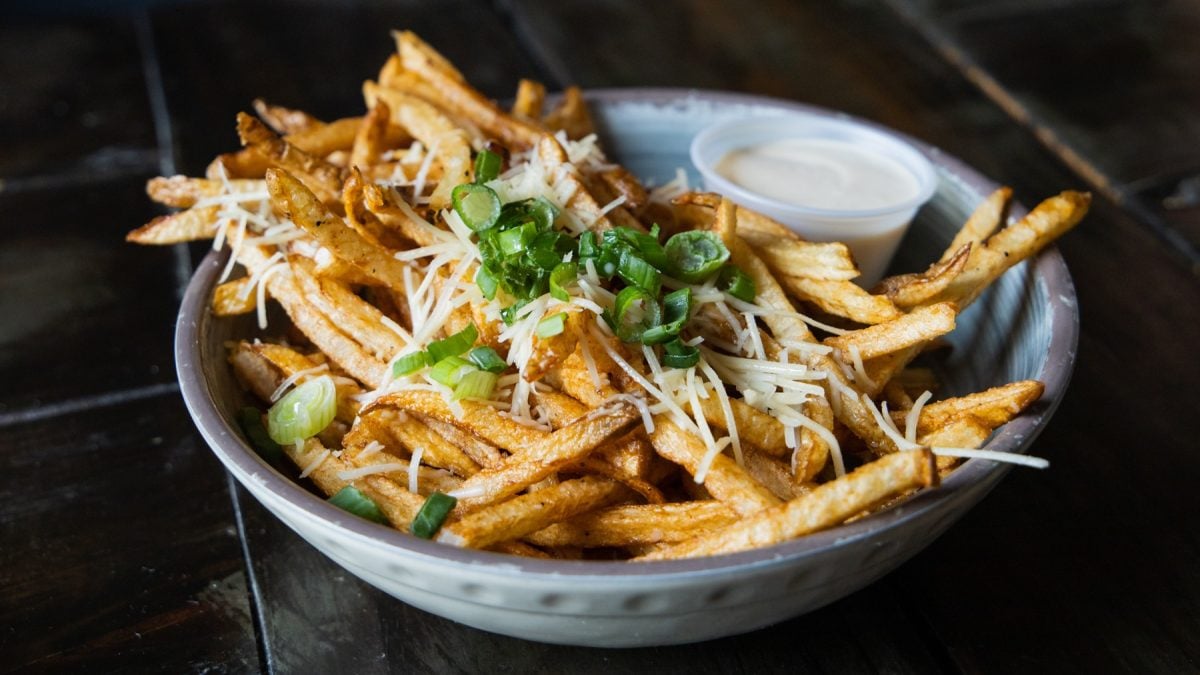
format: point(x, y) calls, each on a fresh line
point(820, 173)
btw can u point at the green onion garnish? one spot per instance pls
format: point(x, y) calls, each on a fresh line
point(352, 499)
point(303, 412)
point(455, 345)
point(250, 419)
point(736, 283)
point(477, 205)
point(487, 166)
point(451, 370)
point(432, 514)
point(564, 275)
point(514, 241)
point(677, 309)
point(634, 312)
point(486, 358)
point(677, 354)
point(636, 271)
point(486, 282)
point(475, 383)
point(646, 245)
point(551, 325)
point(694, 255)
point(587, 245)
point(410, 363)
point(509, 314)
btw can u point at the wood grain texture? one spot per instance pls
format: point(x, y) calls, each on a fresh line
point(118, 548)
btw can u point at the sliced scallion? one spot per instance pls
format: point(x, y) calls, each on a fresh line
point(486, 358)
point(475, 383)
point(677, 308)
point(410, 363)
point(694, 255)
point(451, 370)
point(486, 282)
point(634, 312)
point(564, 275)
point(455, 345)
point(636, 271)
point(677, 354)
point(250, 419)
point(352, 499)
point(736, 283)
point(432, 514)
point(487, 166)
point(551, 325)
point(303, 412)
point(477, 205)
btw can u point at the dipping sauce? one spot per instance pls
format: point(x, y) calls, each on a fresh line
point(820, 173)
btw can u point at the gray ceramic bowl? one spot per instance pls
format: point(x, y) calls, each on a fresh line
point(1025, 327)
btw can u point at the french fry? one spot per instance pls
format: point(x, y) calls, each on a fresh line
point(369, 141)
point(842, 298)
point(919, 326)
point(570, 115)
point(826, 505)
point(992, 407)
point(531, 512)
point(982, 223)
point(913, 290)
point(725, 479)
point(184, 192)
point(634, 524)
point(530, 98)
point(285, 120)
point(321, 177)
point(177, 228)
point(479, 419)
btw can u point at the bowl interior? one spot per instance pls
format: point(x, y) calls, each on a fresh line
point(1024, 327)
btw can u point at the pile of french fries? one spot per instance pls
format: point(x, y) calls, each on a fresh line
point(589, 448)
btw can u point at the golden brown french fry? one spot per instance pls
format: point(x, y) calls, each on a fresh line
point(479, 450)
point(983, 222)
point(480, 419)
point(919, 326)
point(234, 298)
point(842, 298)
point(184, 191)
point(992, 407)
point(826, 505)
point(1046, 222)
point(632, 524)
point(570, 115)
point(530, 98)
point(321, 177)
point(725, 479)
point(531, 512)
point(176, 228)
point(398, 505)
point(528, 465)
point(911, 290)
point(354, 316)
point(285, 120)
point(302, 206)
point(754, 426)
point(369, 141)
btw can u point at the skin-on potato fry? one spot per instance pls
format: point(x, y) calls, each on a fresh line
point(632, 524)
point(826, 505)
point(531, 512)
point(538, 349)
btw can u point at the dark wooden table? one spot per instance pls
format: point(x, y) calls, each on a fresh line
point(124, 546)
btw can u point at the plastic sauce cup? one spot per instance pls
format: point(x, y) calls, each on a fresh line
point(872, 232)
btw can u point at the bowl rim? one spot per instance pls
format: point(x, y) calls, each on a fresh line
point(226, 442)
point(921, 169)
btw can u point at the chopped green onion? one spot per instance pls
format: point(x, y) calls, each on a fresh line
point(694, 255)
point(564, 275)
point(475, 384)
point(509, 314)
point(455, 345)
point(551, 325)
point(451, 370)
point(655, 230)
point(515, 240)
point(677, 308)
point(636, 271)
point(303, 412)
point(477, 205)
point(634, 312)
point(736, 283)
point(587, 245)
point(410, 363)
point(432, 514)
point(250, 419)
point(486, 358)
point(547, 249)
point(486, 282)
point(646, 245)
point(536, 210)
point(677, 354)
point(352, 499)
point(487, 166)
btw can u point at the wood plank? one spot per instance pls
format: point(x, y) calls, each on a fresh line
point(117, 549)
point(71, 289)
point(74, 99)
